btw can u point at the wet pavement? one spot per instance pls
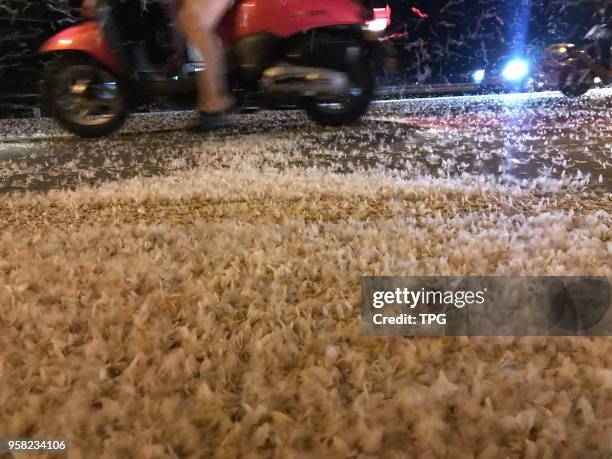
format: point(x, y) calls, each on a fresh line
point(518, 137)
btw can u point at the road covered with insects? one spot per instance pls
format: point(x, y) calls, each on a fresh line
point(518, 137)
point(171, 294)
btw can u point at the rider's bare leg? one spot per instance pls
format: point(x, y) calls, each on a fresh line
point(199, 20)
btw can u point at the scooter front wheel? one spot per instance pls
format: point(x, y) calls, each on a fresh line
point(84, 96)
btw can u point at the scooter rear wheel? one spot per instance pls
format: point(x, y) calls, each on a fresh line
point(84, 96)
point(352, 106)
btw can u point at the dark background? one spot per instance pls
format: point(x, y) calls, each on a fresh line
point(459, 36)
point(456, 37)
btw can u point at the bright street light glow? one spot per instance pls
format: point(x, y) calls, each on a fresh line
point(516, 70)
point(479, 76)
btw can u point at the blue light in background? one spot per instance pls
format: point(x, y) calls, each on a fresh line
point(519, 25)
point(516, 70)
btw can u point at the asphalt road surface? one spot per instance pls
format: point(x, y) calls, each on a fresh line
point(520, 137)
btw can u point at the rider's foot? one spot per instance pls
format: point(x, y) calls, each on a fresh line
point(211, 121)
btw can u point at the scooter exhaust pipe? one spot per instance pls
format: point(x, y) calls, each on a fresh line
point(304, 81)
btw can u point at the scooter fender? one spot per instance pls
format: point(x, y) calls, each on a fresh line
point(87, 38)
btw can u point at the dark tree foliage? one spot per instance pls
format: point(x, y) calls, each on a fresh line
point(24, 25)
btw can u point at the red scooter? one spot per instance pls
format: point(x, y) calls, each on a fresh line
point(319, 55)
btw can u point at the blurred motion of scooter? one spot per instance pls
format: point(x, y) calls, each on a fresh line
point(582, 67)
point(314, 54)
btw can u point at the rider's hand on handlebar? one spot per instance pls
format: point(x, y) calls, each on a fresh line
point(88, 8)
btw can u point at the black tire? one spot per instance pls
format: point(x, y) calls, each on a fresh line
point(569, 84)
point(55, 76)
point(350, 108)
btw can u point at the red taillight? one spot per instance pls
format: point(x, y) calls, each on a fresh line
point(381, 19)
